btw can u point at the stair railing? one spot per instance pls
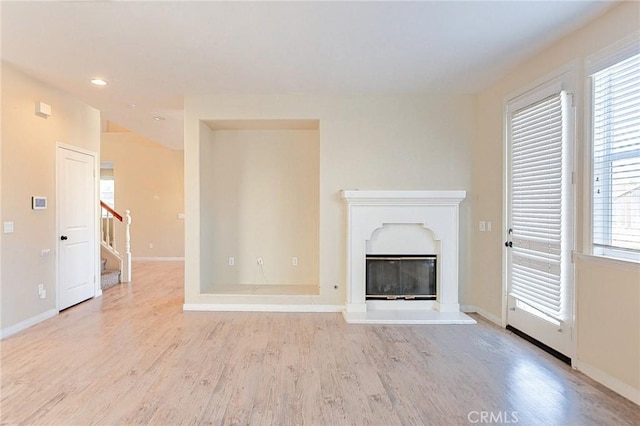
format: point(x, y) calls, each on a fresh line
point(108, 236)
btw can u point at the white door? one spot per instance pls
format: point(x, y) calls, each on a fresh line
point(76, 226)
point(540, 218)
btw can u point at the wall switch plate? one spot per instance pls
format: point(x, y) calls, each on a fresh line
point(489, 226)
point(482, 225)
point(8, 227)
point(294, 261)
point(232, 261)
point(42, 293)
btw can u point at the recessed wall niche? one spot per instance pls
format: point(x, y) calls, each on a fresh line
point(259, 199)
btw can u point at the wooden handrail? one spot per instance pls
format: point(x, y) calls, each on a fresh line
point(110, 210)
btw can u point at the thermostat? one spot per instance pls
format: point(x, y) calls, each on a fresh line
point(38, 203)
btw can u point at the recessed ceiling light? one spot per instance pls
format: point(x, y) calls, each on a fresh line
point(99, 82)
point(158, 118)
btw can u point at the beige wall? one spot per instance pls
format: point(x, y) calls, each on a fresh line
point(149, 182)
point(486, 268)
point(608, 332)
point(264, 187)
point(28, 168)
point(205, 158)
point(402, 142)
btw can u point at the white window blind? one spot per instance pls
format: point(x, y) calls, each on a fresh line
point(536, 204)
point(616, 156)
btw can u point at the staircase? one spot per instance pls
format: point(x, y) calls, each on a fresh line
point(116, 266)
point(108, 277)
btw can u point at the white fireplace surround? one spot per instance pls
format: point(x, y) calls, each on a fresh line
point(437, 211)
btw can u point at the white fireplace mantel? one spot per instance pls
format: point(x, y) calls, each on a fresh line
point(436, 211)
point(376, 198)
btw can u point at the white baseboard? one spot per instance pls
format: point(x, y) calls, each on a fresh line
point(612, 383)
point(157, 259)
point(22, 325)
point(248, 307)
point(485, 314)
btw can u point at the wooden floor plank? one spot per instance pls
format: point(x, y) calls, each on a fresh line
point(133, 357)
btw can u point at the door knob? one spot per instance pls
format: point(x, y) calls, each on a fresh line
point(63, 237)
point(508, 244)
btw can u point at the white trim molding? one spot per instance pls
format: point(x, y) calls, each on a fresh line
point(158, 259)
point(609, 381)
point(30, 322)
point(471, 309)
point(256, 307)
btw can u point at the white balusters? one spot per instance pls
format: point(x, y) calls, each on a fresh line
point(108, 236)
point(107, 232)
point(126, 269)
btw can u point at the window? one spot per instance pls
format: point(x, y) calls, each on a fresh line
point(107, 185)
point(616, 156)
point(107, 191)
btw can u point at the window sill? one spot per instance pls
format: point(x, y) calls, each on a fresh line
point(607, 261)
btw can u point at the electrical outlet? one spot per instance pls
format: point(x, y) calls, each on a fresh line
point(43, 294)
point(260, 261)
point(294, 261)
point(40, 288)
point(232, 261)
point(482, 225)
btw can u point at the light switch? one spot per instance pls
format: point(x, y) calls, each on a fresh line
point(8, 227)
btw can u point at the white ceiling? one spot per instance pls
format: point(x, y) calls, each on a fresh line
point(155, 53)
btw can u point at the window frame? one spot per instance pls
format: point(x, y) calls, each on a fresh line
point(605, 58)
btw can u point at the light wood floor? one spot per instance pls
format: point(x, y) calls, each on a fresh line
point(133, 357)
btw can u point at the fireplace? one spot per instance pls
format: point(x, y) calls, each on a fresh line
point(401, 223)
point(408, 277)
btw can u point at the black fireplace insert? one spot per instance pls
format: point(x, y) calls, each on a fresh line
point(401, 277)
